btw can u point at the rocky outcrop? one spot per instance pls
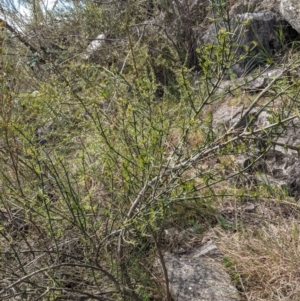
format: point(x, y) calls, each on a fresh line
point(255, 36)
point(290, 11)
point(94, 46)
point(280, 166)
point(250, 83)
point(199, 276)
point(255, 25)
point(254, 6)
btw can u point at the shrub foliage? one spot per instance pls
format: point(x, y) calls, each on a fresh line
point(100, 155)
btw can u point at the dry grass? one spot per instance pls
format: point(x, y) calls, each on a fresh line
point(263, 254)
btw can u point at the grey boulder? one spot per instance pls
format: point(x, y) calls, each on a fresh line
point(199, 276)
point(253, 34)
point(290, 11)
